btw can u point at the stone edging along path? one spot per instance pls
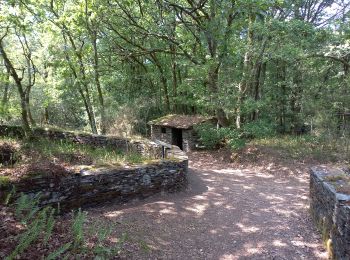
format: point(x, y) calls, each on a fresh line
point(330, 209)
point(117, 184)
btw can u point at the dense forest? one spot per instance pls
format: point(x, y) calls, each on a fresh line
point(102, 65)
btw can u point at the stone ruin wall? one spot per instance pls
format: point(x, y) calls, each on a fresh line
point(113, 184)
point(330, 210)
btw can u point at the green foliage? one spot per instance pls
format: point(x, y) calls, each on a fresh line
point(65, 149)
point(39, 223)
point(102, 231)
point(39, 226)
point(259, 129)
point(235, 139)
point(210, 136)
point(4, 182)
point(100, 64)
point(78, 229)
point(56, 254)
point(323, 148)
point(27, 207)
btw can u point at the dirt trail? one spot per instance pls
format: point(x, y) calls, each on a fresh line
point(224, 214)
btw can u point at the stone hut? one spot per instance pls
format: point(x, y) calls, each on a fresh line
point(178, 130)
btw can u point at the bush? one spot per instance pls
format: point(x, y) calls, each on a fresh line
point(210, 136)
point(235, 139)
point(259, 129)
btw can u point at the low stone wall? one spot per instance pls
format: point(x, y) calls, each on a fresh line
point(119, 184)
point(331, 210)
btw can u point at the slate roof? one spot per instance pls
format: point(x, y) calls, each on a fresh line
point(180, 121)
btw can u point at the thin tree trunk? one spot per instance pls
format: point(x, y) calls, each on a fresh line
point(213, 77)
point(174, 64)
point(245, 83)
point(29, 112)
point(46, 115)
point(6, 88)
point(163, 80)
point(14, 75)
point(85, 88)
point(259, 81)
point(174, 72)
point(98, 85)
point(295, 102)
point(93, 36)
point(281, 77)
point(90, 110)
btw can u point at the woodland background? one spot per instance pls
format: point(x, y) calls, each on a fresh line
point(111, 66)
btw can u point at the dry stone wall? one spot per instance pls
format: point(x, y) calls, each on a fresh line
point(118, 184)
point(331, 210)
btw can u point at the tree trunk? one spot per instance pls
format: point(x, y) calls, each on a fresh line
point(29, 112)
point(6, 88)
point(174, 72)
point(14, 75)
point(259, 81)
point(98, 84)
point(46, 115)
point(245, 83)
point(5, 97)
point(213, 77)
point(164, 81)
point(295, 102)
point(281, 78)
point(82, 75)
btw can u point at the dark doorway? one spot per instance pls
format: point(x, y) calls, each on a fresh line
point(176, 137)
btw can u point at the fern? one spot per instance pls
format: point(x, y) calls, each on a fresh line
point(59, 251)
point(31, 235)
point(27, 207)
point(50, 224)
point(40, 225)
point(78, 229)
point(9, 195)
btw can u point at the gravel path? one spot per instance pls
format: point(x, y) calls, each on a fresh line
point(224, 214)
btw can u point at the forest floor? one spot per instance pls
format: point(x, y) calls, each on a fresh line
point(241, 210)
point(249, 205)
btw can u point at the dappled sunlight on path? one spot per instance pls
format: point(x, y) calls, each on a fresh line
point(224, 214)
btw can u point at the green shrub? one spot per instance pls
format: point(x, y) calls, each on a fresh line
point(235, 139)
point(259, 129)
point(209, 136)
point(212, 137)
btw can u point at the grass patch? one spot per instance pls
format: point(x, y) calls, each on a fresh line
point(60, 158)
point(341, 182)
point(5, 181)
point(307, 147)
point(75, 153)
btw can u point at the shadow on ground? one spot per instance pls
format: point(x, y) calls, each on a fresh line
point(224, 214)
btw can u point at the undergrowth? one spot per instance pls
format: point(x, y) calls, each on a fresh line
point(66, 150)
point(39, 229)
point(320, 148)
